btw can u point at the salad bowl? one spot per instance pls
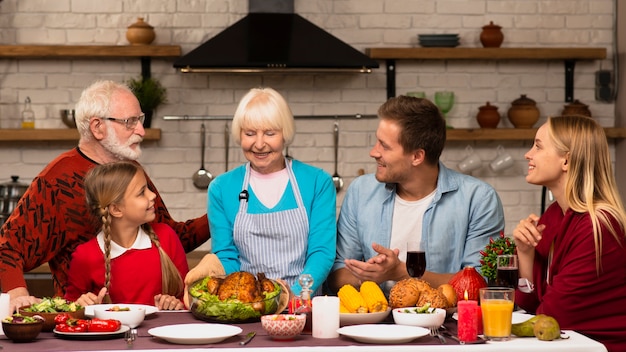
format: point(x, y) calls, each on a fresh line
point(208, 307)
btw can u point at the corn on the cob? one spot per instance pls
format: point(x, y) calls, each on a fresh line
point(352, 299)
point(374, 297)
point(342, 308)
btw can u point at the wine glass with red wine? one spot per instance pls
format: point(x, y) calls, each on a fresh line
point(508, 271)
point(415, 259)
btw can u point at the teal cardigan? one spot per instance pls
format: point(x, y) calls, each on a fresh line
point(319, 198)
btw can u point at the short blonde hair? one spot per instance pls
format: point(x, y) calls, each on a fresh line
point(263, 108)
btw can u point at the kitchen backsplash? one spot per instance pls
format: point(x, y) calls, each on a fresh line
point(55, 84)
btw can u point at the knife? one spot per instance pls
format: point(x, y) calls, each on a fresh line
point(249, 337)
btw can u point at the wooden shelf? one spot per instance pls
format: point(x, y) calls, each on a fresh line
point(568, 55)
point(88, 51)
point(487, 53)
point(511, 134)
point(65, 134)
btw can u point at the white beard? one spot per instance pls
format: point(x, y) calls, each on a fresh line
point(120, 150)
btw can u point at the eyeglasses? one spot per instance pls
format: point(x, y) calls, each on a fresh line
point(130, 122)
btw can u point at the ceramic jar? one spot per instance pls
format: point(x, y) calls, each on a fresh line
point(140, 33)
point(523, 112)
point(576, 108)
point(488, 116)
point(491, 36)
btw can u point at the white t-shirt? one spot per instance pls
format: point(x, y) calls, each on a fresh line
point(407, 224)
point(269, 188)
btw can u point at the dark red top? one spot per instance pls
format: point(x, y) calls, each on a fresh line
point(579, 298)
point(52, 218)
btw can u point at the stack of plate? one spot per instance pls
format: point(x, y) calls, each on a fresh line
point(438, 40)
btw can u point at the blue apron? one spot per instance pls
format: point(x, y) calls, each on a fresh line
point(273, 243)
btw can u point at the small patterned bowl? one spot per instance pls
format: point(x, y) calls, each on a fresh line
point(283, 326)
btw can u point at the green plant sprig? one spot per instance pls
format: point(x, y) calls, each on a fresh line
point(500, 246)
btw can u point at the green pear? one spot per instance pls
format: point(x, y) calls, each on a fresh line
point(524, 329)
point(546, 328)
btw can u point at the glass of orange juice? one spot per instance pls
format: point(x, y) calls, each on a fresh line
point(496, 304)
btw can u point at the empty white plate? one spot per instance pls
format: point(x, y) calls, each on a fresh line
point(194, 334)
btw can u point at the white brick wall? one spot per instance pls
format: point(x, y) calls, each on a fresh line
point(56, 84)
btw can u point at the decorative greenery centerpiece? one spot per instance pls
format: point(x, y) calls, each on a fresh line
point(150, 94)
point(502, 245)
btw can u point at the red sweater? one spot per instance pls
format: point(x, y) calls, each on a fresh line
point(52, 218)
point(135, 275)
point(577, 297)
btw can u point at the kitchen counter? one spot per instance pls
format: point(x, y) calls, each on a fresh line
point(192, 259)
point(39, 280)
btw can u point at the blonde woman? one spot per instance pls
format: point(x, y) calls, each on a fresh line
point(129, 261)
point(573, 257)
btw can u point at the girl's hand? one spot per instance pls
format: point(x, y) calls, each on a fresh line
point(527, 234)
point(89, 298)
point(167, 302)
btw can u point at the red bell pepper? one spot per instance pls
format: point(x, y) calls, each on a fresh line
point(61, 318)
point(104, 325)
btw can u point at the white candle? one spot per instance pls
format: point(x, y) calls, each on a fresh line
point(325, 317)
point(4, 307)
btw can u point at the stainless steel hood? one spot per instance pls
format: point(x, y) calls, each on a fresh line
point(271, 38)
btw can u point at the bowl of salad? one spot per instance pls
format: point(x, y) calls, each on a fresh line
point(50, 307)
point(21, 328)
point(424, 316)
point(237, 298)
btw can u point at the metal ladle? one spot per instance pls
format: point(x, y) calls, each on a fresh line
point(202, 177)
point(337, 180)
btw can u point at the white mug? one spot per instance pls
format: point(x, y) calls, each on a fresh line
point(503, 161)
point(471, 162)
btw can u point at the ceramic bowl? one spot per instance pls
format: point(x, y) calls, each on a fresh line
point(48, 324)
point(283, 326)
point(408, 316)
point(22, 332)
point(362, 318)
point(130, 316)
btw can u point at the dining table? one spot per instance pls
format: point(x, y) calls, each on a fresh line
point(262, 342)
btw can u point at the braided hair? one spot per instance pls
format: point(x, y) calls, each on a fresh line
point(105, 185)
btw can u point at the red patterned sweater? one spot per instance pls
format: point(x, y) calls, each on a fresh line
point(52, 218)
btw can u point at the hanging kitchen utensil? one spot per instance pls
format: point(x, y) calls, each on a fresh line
point(202, 177)
point(337, 180)
point(226, 146)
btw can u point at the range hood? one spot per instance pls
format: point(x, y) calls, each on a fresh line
point(271, 38)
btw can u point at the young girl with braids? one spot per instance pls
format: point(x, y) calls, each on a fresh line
point(130, 260)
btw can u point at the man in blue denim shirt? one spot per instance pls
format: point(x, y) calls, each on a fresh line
point(412, 196)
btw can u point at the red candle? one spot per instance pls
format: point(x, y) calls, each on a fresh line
point(467, 324)
point(479, 320)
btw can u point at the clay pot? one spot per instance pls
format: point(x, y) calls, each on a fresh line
point(491, 36)
point(523, 112)
point(576, 108)
point(488, 116)
point(140, 33)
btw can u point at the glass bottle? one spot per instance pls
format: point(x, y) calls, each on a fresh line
point(28, 115)
point(305, 306)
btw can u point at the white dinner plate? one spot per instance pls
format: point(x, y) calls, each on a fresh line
point(383, 333)
point(89, 310)
point(515, 319)
point(194, 334)
point(92, 335)
point(362, 318)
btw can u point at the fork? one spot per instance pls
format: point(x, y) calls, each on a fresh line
point(130, 336)
point(434, 331)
